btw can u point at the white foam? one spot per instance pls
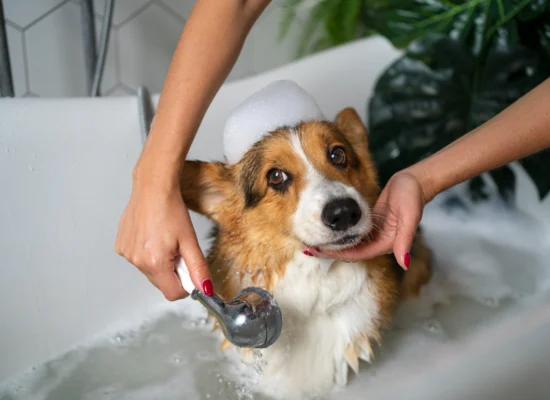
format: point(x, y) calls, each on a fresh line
point(282, 103)
point(491, 275)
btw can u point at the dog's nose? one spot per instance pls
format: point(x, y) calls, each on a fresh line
point(341, 214)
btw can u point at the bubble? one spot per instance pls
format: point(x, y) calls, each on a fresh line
point(243, 393)
point(433, 326)
point(257, 354)
point(491, 302)
point(118, 339)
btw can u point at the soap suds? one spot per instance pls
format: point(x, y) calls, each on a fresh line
point(282, 103)
point(491, 266)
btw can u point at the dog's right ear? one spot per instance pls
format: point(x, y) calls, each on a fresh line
point(207, 187)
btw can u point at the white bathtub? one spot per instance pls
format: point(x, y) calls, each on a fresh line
point(65, 169)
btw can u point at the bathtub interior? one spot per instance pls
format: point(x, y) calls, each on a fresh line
point(82, 323)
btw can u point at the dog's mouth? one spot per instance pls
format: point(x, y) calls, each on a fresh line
point(347, 240)
point(340, 244)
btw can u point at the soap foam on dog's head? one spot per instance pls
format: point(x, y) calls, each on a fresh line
point(282, 103)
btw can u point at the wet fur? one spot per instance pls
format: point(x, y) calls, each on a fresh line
point(253, 244)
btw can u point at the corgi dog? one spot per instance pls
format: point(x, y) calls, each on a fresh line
point(296, 192)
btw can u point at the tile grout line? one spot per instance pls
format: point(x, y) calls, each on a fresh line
point(116, 49)
point(170, 11)
point(13, 25)
point(127, 88)
point(26, 67)
point(46, 14)
point(134, 14)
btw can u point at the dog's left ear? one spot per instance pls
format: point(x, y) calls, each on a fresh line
point(350, 124)
point(207, 187)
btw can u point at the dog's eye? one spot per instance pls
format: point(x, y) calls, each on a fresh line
point(276, 177)
point(337, 156)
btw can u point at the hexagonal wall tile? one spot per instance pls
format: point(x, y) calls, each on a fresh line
point(24, 12)
point(56, 54)
point(120, 91)
point(123, 9)
point(110, 73)
point(146, 46)
point(17, 60)
point(182, 7)
point(267, 50)
point(242, 67)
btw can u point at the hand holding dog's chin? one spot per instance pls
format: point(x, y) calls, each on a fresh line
point(396, 216)
point(155, 229)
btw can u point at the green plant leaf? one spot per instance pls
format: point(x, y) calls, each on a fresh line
point(532, 10)
point(505, 179)
point(474, 22)
point(538, 168)
point(341, 20)
point(317, 16)
point(288, 16)
point(438, 91)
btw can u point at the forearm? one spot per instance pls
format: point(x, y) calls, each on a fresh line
point(207, 50)
point(519, 131)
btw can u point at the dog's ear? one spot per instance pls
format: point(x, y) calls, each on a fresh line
point(350, 124)
point(207, 187)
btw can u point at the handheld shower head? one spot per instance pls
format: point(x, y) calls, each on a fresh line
point(252, 319)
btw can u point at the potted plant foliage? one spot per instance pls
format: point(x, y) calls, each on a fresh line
point(463, 62)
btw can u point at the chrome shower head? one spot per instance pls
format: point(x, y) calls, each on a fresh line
point(252, 319)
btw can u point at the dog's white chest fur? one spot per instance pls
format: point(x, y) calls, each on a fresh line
point(324, 310)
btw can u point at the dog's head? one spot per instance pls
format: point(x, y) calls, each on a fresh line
point(311, 185)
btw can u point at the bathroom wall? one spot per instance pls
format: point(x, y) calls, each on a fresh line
point(47, 55)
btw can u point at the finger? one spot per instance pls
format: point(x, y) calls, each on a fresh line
point(364, 251)
point(196, 263)
point(406, 229)
point(197, 266)
point(167, 281)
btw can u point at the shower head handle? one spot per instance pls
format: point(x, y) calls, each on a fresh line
point(252, 319)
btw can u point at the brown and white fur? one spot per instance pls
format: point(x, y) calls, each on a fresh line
point(333, 311)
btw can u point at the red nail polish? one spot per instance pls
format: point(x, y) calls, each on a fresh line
point(407, 260)
point(318, 249)
point(208, 287)
point(308, 252)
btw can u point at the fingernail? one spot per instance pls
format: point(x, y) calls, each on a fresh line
point(308, 252)
point(208, 287)
point(318, 249)
point(407, 260)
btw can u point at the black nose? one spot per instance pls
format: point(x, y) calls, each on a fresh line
point(341, 214)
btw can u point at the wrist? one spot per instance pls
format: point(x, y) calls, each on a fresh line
point(157, 170)
point(427, 181)
point(162, 159)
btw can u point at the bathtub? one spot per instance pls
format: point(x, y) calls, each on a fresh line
point(65, 177)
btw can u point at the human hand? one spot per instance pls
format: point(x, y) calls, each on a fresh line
point(155, 229)
point(396, 216)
